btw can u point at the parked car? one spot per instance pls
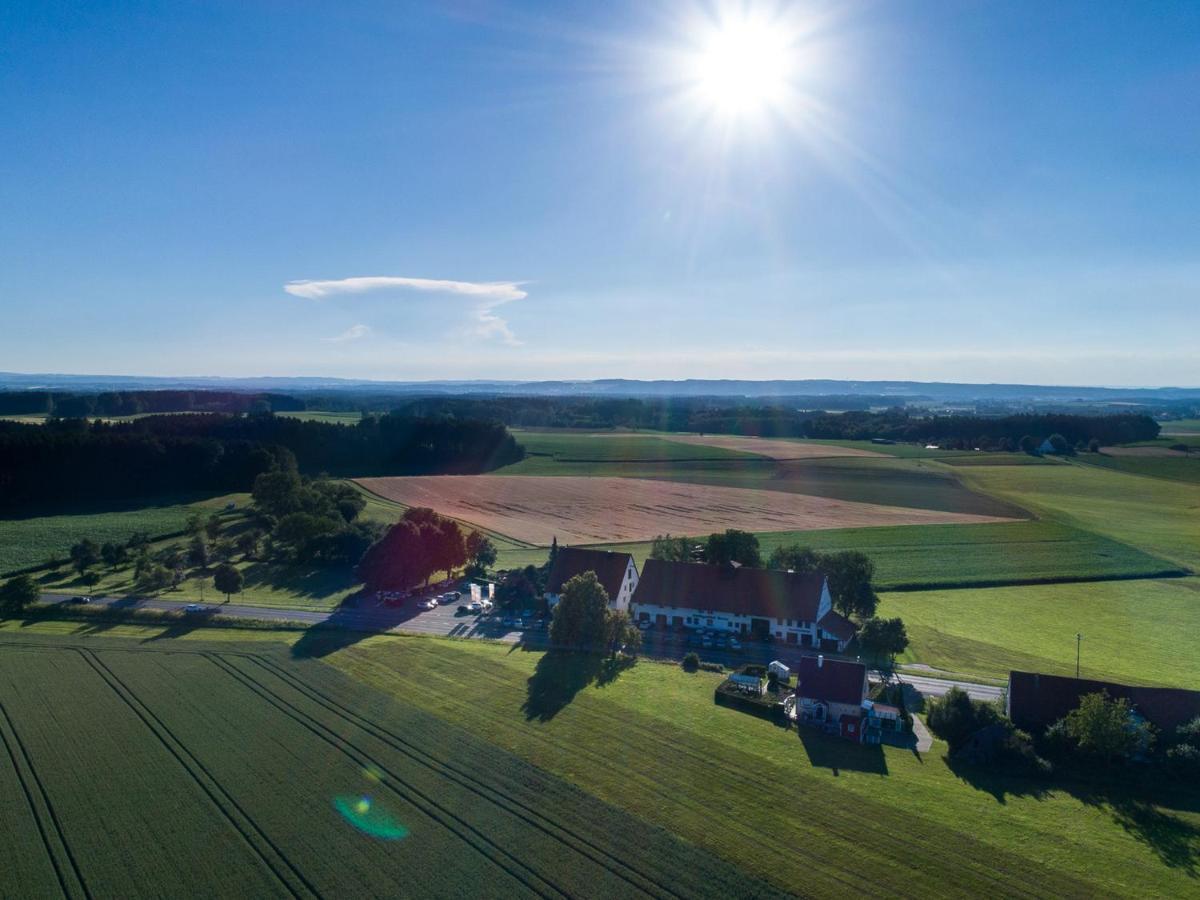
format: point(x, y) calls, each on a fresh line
point(431, 603)
point(735, 644)
point(474, 606)
point(454, 595)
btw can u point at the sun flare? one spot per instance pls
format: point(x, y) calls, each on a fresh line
point(741, 67)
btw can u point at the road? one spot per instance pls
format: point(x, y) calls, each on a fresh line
point(444, 621)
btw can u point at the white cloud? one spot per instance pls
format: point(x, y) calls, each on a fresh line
point(487, 296)
point(353, 333)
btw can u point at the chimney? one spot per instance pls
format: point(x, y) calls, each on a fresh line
point(820, 660)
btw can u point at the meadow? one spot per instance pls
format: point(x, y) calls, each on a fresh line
point(33, 539)
point(244, 768)
point(220, 771)
point(1172, 468)
point(1158, 516)
point(1133, 631)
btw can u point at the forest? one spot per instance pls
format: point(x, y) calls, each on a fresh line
point(76, 460)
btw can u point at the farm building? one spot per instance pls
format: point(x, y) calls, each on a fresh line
point(1035, 702)
point(794, 608)
point(616, 572)
point(829, 694)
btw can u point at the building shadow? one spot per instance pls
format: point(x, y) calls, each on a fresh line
point(827, 751)
point(561, 674)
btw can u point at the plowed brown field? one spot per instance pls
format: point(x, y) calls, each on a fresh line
point(580, 510)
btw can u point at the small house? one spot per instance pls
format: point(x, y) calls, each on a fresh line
point(829, 694)
point(781, 672)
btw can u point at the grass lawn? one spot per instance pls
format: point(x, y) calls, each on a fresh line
point(30, 540)
point(923, 556)
point(801, 812)
point(1134, 631)
point(1158, 516)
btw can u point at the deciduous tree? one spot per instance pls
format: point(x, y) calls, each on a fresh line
point(85, 554)
point(581, 616)
point(17, 594)
point(733, 546)
point(228, 580)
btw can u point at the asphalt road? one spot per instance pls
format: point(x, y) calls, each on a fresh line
point(445, 621)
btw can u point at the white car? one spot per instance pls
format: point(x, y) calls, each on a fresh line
point(431, 603)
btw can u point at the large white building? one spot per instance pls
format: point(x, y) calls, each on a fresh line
point(790, 607)
point(616, 572)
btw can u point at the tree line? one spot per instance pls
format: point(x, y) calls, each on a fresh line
point(77, 460)
point(67, 405)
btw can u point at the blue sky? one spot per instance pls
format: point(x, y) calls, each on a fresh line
point(964, 191)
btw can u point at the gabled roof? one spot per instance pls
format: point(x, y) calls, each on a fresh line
point(1037, 701)
point(838, 625)
point(571, 561)
point(738, 590)
point(831, 680)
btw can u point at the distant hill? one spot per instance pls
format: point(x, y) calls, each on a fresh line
point(895, 391)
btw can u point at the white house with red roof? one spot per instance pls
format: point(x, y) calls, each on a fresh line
point(829, 694)
point(788, 606)
point(616, 572)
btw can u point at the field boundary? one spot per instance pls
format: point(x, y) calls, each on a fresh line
point(526, 814)
point(462, 523)
point(190, 764)
point(71, 882)
point(360, 758)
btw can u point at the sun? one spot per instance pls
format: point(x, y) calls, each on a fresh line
point(741, 67)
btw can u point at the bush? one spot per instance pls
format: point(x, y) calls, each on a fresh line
point(955, 717)
point(712, 667)
point(691, 662)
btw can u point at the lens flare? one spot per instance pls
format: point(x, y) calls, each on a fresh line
point(369, 817)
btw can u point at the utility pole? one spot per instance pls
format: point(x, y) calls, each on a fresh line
point(1078, 638)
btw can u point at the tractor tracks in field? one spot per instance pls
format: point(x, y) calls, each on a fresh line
point(66, 868)
point(464, 830)
point(276, 861)
point(495, 796)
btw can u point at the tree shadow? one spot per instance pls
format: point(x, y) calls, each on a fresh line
point(827, 751)
point(185, 624)
point(561, 674)
point(304, 581)
point(347, 625)
point(1143, 804)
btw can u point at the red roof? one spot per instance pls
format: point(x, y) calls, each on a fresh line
point(571, 561)
point(831, 680)
point(838, 625)
point(1037, 701)
point(730, 589)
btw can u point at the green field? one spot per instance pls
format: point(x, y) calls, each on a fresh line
point(1181, 427)
point(1172, 468)
point(209, 770)
point(547, 451)
point(352, 417)
point(1134, 631)
point(221, 767)
point(910, 557)
point(31, 540)
point(1155, 515)
point(803, 813)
